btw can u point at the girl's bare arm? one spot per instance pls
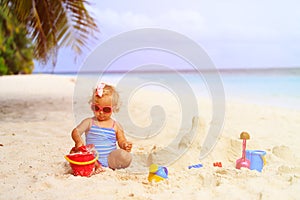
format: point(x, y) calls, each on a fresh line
point(79, 130)
point(122, 141)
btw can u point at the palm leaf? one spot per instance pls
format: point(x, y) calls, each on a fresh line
point(53, 24)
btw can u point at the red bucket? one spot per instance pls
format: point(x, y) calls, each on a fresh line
point(82, 164)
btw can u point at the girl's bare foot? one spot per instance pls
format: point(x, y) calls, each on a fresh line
point(98, 168)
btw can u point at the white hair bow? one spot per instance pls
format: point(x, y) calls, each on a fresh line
point(99, 89)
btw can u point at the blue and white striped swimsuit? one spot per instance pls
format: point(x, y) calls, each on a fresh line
point(104, 140)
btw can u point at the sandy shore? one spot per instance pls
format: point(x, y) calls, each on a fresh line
point(36, 118)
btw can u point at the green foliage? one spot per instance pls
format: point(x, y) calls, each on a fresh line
point(52, 24)
point(16, 51)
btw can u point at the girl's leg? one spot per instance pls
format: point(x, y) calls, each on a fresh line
point(119, 159)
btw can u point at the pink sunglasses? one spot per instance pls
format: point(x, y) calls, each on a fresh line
point(97, 108)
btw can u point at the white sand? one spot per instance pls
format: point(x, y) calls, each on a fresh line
point(36, 119)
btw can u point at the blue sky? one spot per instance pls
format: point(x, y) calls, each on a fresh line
point(234, 33)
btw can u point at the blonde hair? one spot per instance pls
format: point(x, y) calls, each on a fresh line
point(107, 90)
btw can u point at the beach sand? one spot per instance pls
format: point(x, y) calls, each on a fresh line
point(36, 119)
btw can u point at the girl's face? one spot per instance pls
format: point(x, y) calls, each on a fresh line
point(102, 108)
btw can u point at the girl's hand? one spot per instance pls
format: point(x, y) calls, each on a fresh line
point(127, 146)
point(79, 149)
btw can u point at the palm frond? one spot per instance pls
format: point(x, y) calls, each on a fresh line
point(81, 27)
point(54, 23)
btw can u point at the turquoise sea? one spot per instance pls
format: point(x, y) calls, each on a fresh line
point(273, 87)
point(277, 87)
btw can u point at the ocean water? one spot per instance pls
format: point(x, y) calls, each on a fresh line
point(270, 87)
point(275, 88)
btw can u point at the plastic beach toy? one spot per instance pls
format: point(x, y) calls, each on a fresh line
point(82, 163)
point(157, 173)
point(217, 164)
point(195, 166)
point(257, 159)
point(243, 161)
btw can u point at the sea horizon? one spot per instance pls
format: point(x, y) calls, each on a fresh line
point(273, 70)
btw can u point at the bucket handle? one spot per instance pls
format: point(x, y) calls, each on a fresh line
point(81, 163)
